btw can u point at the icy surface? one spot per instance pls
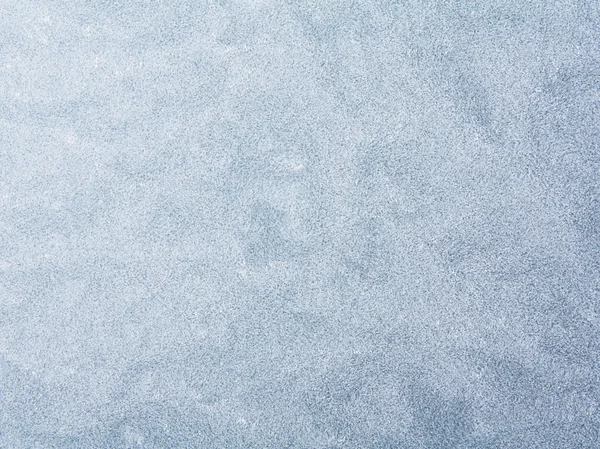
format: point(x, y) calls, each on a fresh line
point(299, 224)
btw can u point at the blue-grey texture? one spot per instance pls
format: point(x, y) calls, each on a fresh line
point(299, 224)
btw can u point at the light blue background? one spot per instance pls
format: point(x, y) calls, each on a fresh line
point(299, 224)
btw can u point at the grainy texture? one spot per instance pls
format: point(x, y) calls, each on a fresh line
point(299, 224)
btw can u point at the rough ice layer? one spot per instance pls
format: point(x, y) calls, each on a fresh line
point(299, 224)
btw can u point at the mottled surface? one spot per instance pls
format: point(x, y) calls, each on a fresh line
point(299, 224)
